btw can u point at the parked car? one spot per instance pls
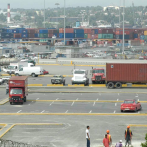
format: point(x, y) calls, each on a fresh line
point(58, 79)
point(130, 105)
point(4, 79)
point(45, 72)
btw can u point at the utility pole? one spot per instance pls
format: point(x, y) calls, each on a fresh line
point(64, 22)
point(123, 27)
point(44, 13)
point(119, 12)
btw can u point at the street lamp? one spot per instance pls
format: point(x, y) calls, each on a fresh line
point(123, 26)
point(44, 13)
point(64, 22)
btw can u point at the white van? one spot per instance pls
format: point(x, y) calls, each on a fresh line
point(27, 71)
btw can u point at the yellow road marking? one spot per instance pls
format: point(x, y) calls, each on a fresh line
point(76, 85)
point(4, 101)
point(4, 125)
point(35, 85)
point(135, 85)
point(55, 85)
point(137, 125)
point(82, 114)
point(97, 85)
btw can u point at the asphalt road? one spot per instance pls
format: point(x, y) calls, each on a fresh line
point(72, 131)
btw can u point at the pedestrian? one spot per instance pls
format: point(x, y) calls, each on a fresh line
point(128, 136)
point(7, 88)
point(106, 141)
point(119, 144)
point(109, 137)
point(88, 136)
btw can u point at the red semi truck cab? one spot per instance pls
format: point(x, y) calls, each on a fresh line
point(98, 75)
point(18, 89)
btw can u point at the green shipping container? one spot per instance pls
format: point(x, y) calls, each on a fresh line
point(43, 40)
point(107, 36)
point(43, 35)
point(100, 36)
point(85, 35)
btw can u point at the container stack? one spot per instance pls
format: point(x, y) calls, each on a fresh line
point(79, 33)
point(43, 33)
point(31, 33)
point(69, 33)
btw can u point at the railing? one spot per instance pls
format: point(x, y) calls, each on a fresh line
point(10, 143)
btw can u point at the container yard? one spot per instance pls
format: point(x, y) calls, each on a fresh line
point(72, 35)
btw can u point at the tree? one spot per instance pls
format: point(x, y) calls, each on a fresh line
point(144, 144)
point(17, 17)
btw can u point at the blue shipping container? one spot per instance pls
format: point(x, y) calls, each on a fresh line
point(96, 31)
point(24, 35)
point(43, 31)
point(142, 37)
point(135, 35)
point(67, 35)
point(79, 31)
point(36, 35)
point(79, 35)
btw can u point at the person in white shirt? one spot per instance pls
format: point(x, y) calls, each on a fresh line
point(88, 136)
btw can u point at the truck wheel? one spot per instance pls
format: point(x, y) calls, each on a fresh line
point(93, 82)
point(64, 83)
point(110, 85)
point(16, 74)
point(33, 75)
point(118, 85)
point(21, 103)
point(72, 83)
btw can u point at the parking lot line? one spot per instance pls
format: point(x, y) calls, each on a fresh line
point(82, 114)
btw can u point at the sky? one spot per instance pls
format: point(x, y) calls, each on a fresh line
point(69, 3)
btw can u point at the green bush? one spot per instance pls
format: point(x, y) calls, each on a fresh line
point(144, 144)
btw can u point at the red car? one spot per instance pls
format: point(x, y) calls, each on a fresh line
point(130, 105)
point(45, 72)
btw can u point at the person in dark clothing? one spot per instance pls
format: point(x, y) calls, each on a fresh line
point(128, 136)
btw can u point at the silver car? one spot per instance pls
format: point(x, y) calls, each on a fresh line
point(58, 79)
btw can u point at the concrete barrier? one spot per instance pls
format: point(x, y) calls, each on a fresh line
point(55, 85)
point(37, 85)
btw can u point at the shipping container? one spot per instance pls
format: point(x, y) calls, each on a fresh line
point(17, 36)
point(31, 31)
point(24, 35)
point(135, 35)
point(87, 31)
point(79, 35)
point(141, 37)
point(107, 31)
point(50, 35)
point(79, 31)
point(6, 35)
point(145, 33)
point(43, 35)
point(122, 73)
point(2, 30)
point(89, 36)
point(107, 36)
point(36, 35)
point(67, 30)
point(67, 35)
point(31, 35)
point(121, 36)
point(43, 31)
point(85, 35)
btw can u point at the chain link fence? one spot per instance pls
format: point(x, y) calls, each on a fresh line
point(10, 143)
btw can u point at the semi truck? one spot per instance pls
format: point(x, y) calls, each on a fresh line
point(18, 89)
point(123, 73)
point(98, 75)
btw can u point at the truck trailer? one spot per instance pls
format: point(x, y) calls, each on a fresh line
point(123, 73)
point(18, 89)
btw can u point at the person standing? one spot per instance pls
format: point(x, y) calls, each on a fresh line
point(88, 136)
point(7, 88)
point(128, 136)
point(109, 138)
point(106, 141)
point(119, 144)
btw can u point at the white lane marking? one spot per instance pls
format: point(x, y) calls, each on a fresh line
point(93, 103)
point(57, 99)
point(37, 99)
point(90, 111)
point(138, 100)
point(117, 99)
point(115, 104)
point(42, 111)
point(51, 103)
point(72, 103)
point(19, 111)
point(66, 111)
point(114, 111)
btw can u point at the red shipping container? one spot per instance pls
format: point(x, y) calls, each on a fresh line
point(96, 36)
point(87, 31)
point(67, 30)
point(50, 35)
point(61, 30)
point(126, 72)
point(31, 35)
point(89, 36)
point(36, 31)
point(31, 31)
point(17, 35)
point(107, 31)
point(100, 31)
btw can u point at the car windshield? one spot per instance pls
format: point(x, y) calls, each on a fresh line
point(98, 71)
point(79, 72)
point(16, 91)
point(128, 102)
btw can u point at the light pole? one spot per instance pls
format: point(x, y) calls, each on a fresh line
point(57, 4)
point(64, 22)
point(44, 13)
point(119, 12)
point(123, 26)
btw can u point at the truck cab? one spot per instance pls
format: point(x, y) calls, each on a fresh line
point(80, 77)
point(98, 75)
point(18, 89)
